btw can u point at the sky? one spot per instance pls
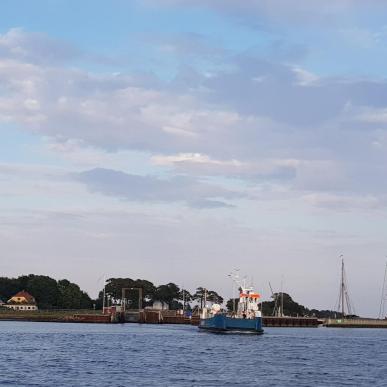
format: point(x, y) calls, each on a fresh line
point(178, 140)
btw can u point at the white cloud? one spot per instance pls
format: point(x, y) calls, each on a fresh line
point(35, 47)
point(305, 78)
point(374, 116)
point(346, 202)
point(226, 125)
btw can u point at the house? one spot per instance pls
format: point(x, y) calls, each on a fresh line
point(22, 301)
point(160, 305)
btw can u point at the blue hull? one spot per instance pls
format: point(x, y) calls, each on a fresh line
point(222, 323)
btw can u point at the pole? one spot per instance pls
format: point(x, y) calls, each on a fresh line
point(123, 300)
point(139, 298)
point(104, 295)
point(233, 297)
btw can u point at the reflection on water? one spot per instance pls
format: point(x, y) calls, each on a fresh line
point(49, 354)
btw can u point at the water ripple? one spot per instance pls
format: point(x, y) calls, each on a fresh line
point(49, 354)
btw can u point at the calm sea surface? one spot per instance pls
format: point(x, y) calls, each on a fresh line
point(49, 354)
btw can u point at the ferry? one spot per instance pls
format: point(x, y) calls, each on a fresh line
point(247, 318)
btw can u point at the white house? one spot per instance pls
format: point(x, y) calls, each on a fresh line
point(22, 301)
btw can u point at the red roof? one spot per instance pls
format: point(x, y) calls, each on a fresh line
point(26, 295)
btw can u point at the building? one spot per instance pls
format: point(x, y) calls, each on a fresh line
point(160, 305)
point(22, 301)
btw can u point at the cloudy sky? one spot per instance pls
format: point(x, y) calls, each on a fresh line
point(176, 140)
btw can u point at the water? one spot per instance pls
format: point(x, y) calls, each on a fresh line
point(49, 354)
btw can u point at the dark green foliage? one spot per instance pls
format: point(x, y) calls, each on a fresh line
point(199, 296)
point(44, 289)
point(211, 295)
point(291, 308)
point(72, 297)
point(186, 297)
point(214, 297)
point(327, 314)
point(48, 293)
point(8, 287)
point(230, 304)
point(114, 288)
point(169, 293)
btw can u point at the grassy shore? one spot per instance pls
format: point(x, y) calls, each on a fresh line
point(45, 315)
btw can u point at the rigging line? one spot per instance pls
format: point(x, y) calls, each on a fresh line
point(346, 294)
point(349, 306)
point(384, 295)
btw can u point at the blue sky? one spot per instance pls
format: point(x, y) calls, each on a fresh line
point(176, 140)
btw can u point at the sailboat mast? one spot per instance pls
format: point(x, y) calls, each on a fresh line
point(384, 294)
point(342, 287)
point(282, 296)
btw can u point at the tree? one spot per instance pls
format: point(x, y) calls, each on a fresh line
point(48, 293)
point(43, 288)
point(8, 288)
point(199, 296)
point(170, 294)
point(230, 304)
point(114, 288)
point(186, 297)
point(72, 297)
point(212, 296)
point(291, 308)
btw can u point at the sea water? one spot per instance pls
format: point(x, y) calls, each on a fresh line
point(54, 354)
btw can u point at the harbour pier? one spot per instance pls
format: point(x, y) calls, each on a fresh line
point(355, 323)
point(151, 316)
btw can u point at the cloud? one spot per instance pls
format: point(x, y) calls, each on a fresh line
point(200, 164)
point(253, 119)
point(346, 202)
point(255, 12)
point(34, 47)
point(130, 187)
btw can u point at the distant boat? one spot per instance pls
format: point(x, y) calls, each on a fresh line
point(248, 318)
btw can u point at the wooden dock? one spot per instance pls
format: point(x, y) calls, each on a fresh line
point(151, 316)
point(291, 322)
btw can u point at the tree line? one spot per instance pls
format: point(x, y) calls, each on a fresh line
point(48, 292)
point(63, 294)
point(170, 294)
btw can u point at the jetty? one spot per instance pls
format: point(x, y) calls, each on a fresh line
point(152, 316)
point(355, 323)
